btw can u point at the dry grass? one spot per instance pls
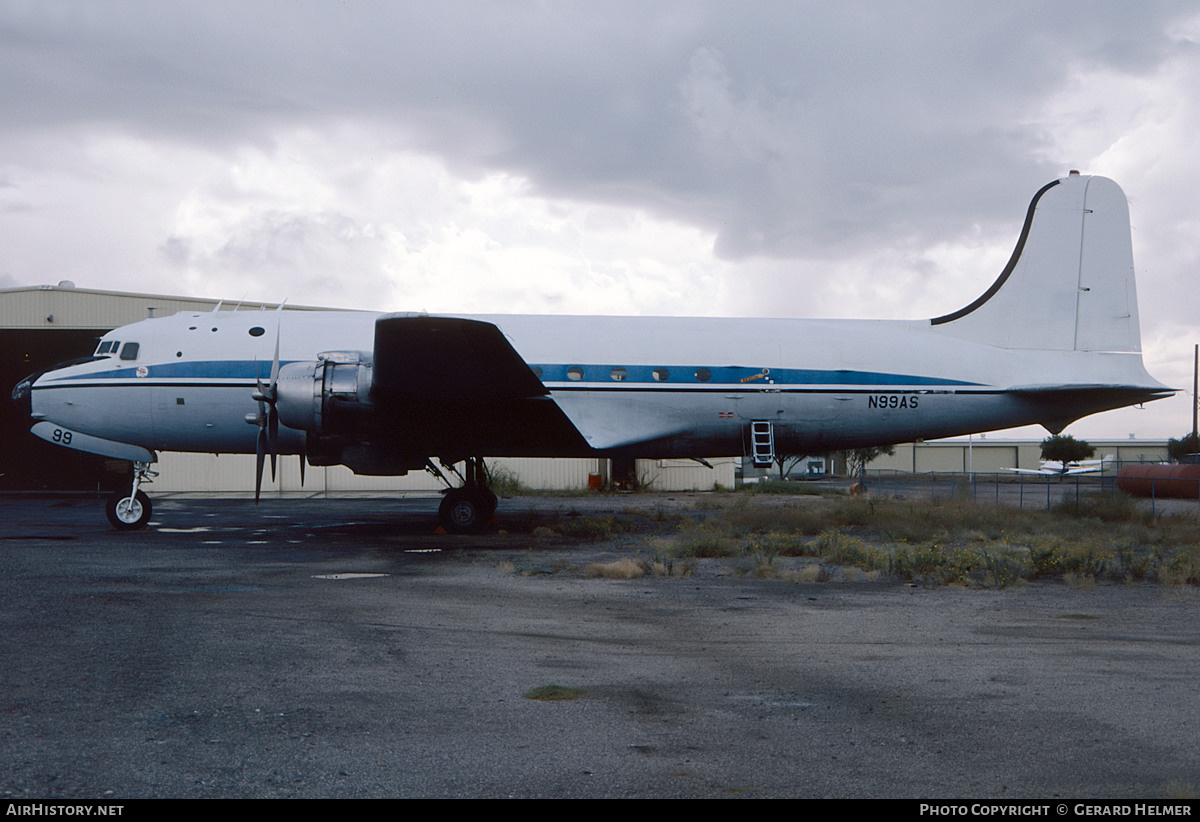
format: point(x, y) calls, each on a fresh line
point(1078, 581)
point(1095, 540)
point(947, 541)
point(620, 569)
point(1181, 790)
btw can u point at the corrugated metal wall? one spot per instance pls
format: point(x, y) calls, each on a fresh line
point(68, 307)
point(991, 456)
point(234, 473)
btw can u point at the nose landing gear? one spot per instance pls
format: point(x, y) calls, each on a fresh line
point(129, 511)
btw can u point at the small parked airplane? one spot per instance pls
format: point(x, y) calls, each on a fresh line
point(1053, 339)
point(1057, 468)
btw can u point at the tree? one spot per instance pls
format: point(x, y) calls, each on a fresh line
point(786, 463)
point(1066, 450)
point(1177, 449)
point(858, 458)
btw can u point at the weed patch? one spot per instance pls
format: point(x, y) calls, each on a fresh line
point(952, 541)
point(620, 569)
point(792, 488)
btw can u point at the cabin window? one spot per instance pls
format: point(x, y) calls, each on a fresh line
point(575, 373)
point(661, 374)
point(129, 351)
point(257, 331)
point(618, 374)
point(703, 375)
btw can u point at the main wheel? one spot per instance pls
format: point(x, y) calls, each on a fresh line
point(489, 501)
point(465, 510)
point(128, 513)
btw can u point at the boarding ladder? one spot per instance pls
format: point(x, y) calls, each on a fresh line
point(762, 443)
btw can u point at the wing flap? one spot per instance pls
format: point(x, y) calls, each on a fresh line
point(619, 424)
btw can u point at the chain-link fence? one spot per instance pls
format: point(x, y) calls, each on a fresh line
point(1036, 491)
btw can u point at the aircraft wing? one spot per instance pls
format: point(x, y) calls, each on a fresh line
point(448, 359)
point(454, 387)
point(1091, 466)
point(448, 365)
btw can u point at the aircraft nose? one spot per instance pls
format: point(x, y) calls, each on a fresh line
point(22, 396)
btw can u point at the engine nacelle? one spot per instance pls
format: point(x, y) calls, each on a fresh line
point(310, 395)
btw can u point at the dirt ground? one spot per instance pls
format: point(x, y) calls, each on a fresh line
point(340, 648)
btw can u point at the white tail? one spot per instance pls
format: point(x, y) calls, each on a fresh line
point(1069, 284)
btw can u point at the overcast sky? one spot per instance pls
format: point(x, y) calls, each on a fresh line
point(794, 159)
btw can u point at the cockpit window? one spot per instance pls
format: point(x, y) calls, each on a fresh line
point(107, 347)
point(129, 351)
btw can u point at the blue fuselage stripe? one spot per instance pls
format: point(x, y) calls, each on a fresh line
point(552, 374)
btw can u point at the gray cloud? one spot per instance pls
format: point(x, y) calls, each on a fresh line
point(838, 157)
point(788, 128)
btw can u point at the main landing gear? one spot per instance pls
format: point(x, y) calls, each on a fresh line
point(128, 511)
point(468, 508)
point(464, 510)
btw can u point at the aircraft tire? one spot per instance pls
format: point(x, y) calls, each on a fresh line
point(465, 510)
point(490, 503)
point(127, 514)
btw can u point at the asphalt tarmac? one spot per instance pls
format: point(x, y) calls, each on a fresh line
point(339, 648)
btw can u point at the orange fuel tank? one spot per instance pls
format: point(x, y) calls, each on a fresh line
point(1145, 480)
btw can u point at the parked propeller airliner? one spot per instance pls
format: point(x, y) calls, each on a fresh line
point(1055, 338)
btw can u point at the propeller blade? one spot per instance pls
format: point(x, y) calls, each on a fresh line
point(275, 364)
point(260, 456)
point(259, 393)
point(273, 436)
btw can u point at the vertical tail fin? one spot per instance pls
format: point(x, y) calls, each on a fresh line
point(1069, 284)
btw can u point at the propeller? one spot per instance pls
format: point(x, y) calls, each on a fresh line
point(267, 419)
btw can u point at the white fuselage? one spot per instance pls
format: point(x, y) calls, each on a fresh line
point(643, 386)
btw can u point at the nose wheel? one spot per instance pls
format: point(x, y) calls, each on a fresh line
point(130, 510)
point(128, 513)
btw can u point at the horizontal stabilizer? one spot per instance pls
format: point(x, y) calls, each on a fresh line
point(1060, 405)
point(1149, 392)
point(1060, 400)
